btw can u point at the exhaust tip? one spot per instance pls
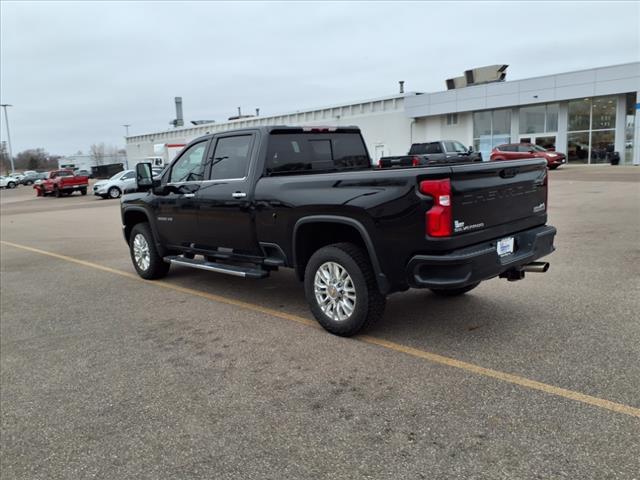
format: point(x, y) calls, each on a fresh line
point(536, 267)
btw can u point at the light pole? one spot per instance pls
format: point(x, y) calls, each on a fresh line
point(6, 121)
point(126, 127)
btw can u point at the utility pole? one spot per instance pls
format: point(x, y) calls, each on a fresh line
point(6, 121)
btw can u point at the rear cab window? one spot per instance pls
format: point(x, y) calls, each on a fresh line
point(299, 153)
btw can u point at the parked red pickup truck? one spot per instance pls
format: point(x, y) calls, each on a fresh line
point(62, 182)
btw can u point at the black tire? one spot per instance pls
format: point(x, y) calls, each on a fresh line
point(11, 185)
point(369, 302)
point(454, 292)
point(553, 167)
point(157, 267)
point(58, 192)
point(83, 191)
point(114, 192)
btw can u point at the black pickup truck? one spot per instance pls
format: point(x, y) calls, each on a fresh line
point(247, 202)
point(432, 153)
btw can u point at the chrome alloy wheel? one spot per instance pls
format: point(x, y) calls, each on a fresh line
point(335, 291)
point(141, 252)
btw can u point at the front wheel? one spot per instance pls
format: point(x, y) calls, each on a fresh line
point(83, 191)
point(11, 185)
point(454, 292)
point(341, 289)
point(144, 254)
point(114, 192)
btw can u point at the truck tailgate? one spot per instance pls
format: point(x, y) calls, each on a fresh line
point(495, 193)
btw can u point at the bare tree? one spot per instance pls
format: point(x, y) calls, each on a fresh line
point(97, 153)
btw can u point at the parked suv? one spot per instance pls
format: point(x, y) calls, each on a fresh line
point(121, 182)
point(518, 151)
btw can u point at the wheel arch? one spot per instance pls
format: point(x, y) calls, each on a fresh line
point(131, 217)
point(316, 231)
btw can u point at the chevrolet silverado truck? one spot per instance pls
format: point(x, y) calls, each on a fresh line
point(432, 153)
point(62, 182)
point(248, 202)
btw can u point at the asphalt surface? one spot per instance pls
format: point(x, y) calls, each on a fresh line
point(106, 376)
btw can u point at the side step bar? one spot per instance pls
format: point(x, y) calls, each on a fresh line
point(245, 272)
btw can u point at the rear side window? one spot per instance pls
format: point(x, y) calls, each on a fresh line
point(425, 148)
point(315, 152)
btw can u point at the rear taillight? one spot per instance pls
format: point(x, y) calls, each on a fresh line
point(545, 184)
point(415, 161)
point(439, 215)
point(380, 163)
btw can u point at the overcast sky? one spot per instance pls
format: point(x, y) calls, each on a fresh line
point(76, 71)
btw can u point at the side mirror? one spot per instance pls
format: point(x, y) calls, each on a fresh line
point(470, 149)
point(144, 177)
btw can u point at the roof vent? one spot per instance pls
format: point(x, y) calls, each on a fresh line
point(478, 76)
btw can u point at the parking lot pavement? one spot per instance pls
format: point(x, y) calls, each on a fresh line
point(104, 375)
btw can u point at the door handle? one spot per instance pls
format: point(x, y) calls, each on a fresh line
point(188, 195)
point(238, 195)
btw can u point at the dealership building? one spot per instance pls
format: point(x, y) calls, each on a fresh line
point(589, 114)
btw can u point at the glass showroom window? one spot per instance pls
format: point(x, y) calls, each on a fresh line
point(591, 129)
point(539, 119)
point(629, 128)
point(491, 128)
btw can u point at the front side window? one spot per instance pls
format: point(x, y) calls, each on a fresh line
point(456, 147)
point(231, 157)
point(128, 176)
point(190, 166)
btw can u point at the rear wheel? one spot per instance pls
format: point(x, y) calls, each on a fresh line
point(83, 191)
point(454, 292)
point(58, 192)
point(11, 185)
point(144, 254)
point(341, 289)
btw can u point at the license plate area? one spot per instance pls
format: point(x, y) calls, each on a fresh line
point(505, 246)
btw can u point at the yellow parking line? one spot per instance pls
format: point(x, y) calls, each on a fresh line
point(414, 352)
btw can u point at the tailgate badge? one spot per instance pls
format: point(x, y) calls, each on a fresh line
point(539, 208)
point(509, 172)
point(459, 226)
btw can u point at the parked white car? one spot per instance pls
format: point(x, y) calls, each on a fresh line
point(121, 182)
point(8, 182)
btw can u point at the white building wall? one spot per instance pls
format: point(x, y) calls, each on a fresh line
point(385, 127)
point(431, 129)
